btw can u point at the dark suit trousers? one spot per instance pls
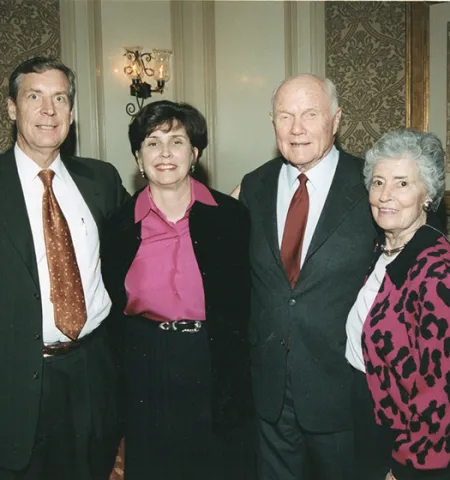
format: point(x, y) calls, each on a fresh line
point(289, 452)
point(77, 434)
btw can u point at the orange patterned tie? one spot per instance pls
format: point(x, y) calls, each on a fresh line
point(294, 231)
point(66, 289)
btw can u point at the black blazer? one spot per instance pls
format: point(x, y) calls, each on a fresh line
point(21, 341)
point(220, 238)
point(312, 314)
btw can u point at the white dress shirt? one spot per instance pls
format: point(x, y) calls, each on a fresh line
point(84, 232)
point(360, 310)
point(319, 182)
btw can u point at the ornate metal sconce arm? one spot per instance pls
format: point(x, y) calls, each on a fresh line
point(137, 67)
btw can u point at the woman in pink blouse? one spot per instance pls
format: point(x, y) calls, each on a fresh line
point(178, 269)
point(399, 327)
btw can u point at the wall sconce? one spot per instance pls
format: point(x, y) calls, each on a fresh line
point(137, 66)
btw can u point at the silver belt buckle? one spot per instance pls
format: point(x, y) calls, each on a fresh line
point(177, 324)
point(165, 326)
point(195, 329)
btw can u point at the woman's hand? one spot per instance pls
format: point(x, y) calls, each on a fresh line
point(235, 193)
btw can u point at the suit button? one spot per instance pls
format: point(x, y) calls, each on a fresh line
point(35, 375)
point(292, 302)
point(37, 296)
point(37, 336)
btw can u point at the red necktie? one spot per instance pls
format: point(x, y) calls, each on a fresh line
point(66, 289)
point(294, 231)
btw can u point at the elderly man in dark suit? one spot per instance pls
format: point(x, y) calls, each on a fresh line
point(58, 415)
point(311, 243)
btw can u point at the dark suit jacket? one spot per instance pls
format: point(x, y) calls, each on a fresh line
point(20, 304)
point(220, 239)
point(314, 313)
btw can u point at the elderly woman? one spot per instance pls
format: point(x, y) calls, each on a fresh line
point(178, 269)
point(399, 327)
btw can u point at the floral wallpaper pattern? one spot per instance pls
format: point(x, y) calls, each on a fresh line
point(365, 58)
point(27, 28)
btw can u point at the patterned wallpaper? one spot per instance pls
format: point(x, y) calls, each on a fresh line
point(365, 57)
point(27, 28)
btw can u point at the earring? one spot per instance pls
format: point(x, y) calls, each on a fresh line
point(192, 168)
point(142, 173)
point(426, 206)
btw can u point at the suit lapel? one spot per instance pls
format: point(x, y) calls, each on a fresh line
point(345, 191)
point(267, 200)
point(13, 214)
point(90, 189)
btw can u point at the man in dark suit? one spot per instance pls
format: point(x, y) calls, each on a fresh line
point(58, 416)
point(300, 299)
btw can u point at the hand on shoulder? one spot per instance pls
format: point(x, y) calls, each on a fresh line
point(235, 193)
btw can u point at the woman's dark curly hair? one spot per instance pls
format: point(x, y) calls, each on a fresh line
point(166, 115)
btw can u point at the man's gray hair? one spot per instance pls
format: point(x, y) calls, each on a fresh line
point(422, 148)
point(328, 86)
point(40, 65)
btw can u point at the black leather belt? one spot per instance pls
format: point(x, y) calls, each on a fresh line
point(184, 326)
point(61, 348)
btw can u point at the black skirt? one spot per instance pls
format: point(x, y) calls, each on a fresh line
point(169, 432)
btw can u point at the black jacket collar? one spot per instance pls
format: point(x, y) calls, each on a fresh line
point(426, 237)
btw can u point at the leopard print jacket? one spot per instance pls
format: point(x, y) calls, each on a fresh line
point(406, 348)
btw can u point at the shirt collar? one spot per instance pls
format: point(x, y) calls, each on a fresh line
point(319, 173)
point(29, 169)
point(201, 193)
point(144, 203)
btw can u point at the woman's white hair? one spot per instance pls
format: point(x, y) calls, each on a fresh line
point(423, 148)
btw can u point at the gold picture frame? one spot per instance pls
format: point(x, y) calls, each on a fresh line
point(417, 87)
point(417, 65)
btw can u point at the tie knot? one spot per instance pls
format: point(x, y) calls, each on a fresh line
point(47, 177)
point(302, 178)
